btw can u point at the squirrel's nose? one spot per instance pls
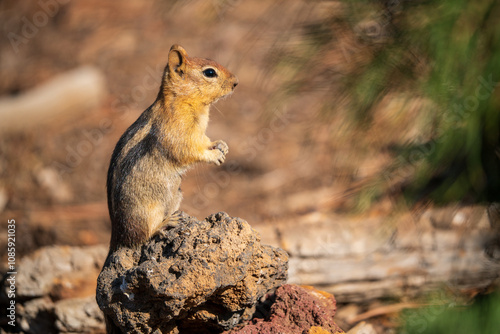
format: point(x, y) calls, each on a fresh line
point(235, 83)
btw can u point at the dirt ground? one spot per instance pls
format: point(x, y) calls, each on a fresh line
point(284, 159)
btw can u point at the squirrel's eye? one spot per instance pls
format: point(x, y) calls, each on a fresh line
point(210, 73)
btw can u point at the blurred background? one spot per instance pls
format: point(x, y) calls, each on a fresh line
point(358, 119)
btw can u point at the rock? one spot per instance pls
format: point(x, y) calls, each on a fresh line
point(200, 276)
point(78, 315)
point(50, 180)
point(54, 290)
point(73, 315)
point(36, 316)
point(362, 328)
point(58, 270)
point(295, 309)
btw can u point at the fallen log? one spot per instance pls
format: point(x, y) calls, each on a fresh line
point(360, 259)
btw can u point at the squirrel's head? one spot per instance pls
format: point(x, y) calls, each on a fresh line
point(197, 80)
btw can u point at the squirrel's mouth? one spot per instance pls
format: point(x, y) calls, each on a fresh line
point(222, 97)
point(227, 91)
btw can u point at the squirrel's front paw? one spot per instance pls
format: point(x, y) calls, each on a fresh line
point(219, 149)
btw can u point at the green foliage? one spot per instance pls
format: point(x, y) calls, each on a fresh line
point(483, 316)
point(447, 52)
point(460, 43)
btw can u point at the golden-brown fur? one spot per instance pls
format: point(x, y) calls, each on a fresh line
point(145, 172)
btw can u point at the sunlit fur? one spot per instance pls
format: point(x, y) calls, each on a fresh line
point(145, 172)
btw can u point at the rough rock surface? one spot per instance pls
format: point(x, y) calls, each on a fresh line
point(72, 315)
point(295, 309)
point(58, 270)
point(200, 276)
point(54, 291)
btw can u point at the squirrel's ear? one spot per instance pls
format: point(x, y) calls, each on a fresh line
point(177, 59)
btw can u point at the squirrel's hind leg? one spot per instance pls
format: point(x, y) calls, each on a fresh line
point(174, 220)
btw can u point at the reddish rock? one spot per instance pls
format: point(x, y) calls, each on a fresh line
point(295, 309)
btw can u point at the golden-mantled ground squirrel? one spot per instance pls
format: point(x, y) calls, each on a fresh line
point(145, 172)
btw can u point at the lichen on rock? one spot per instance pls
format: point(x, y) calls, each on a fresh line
point(204, 276)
